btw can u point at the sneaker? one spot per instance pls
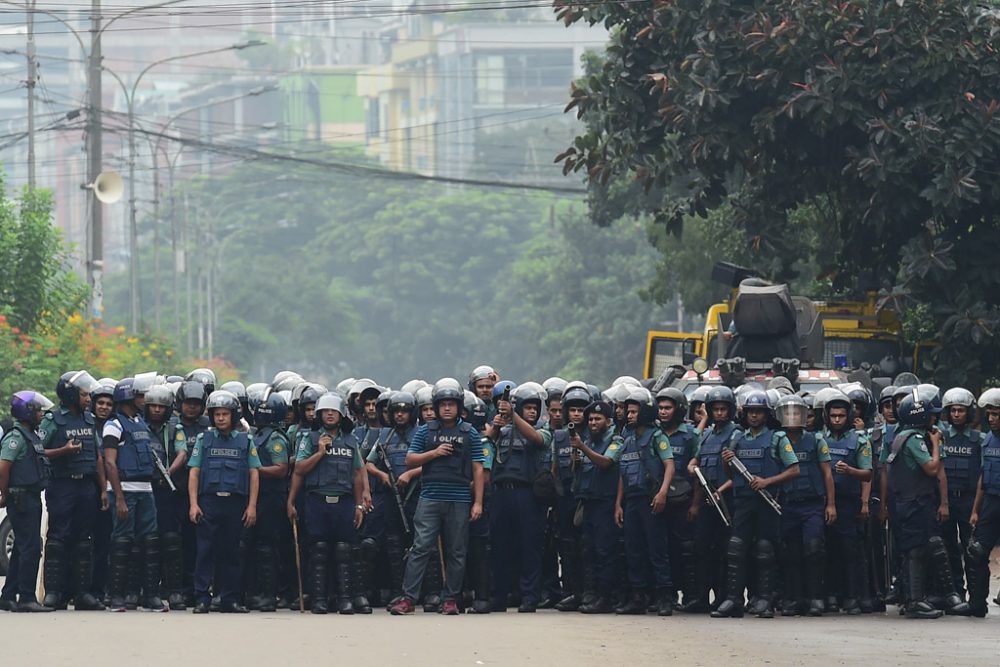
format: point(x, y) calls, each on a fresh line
point(449, 608)
point(403, 607)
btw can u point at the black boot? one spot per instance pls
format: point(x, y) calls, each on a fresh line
point(318, 571)
point(814, 567)
point(54, 574)
point(688, 582)
point(977, 572)
point(134, 578)
point(666, 600)
point(601, 604)
point(83, 570)
point(173, 571)
point(121, 553)
point(342, 559)
point(792, 595)
point(865, 600)
point(763, 606)
point(151, 575)
point(954, 605)
point(362, 560)
point(732, 606)
point(267, 577)
point(480, 553)
point(635, 606)
point(853, 562)
point(569, 561)
point(697, 601)
point(916, 602)
point(397, 566)
point(433, 583)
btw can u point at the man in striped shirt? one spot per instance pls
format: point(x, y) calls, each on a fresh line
point(451, 454)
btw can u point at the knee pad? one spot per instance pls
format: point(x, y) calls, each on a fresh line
point(765, 551)
point(815, 547)
point(368, 548)
point(736, 547)
point(342, 551)
point(687, 548)
point(977, 552)
point(936, 545)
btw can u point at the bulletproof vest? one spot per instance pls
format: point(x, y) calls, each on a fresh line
point(845, 449)
point(74, 427)
point(564, 455)
point(963, 458)
point(190, 431)
point(260, 442)
point(755, 453)
point(457, 468)
point(640, 468)
point(594, 482)
point(301, 436)
point(710, 454)
point(32, 469)
point(908, 483)
point(991, 464)
point(335, 472)
point(809, 484)
point(395, 445)
point(367, 437)
point(683, 442)
point(517, 460)
point(224, 463)
point(135, 454)
point(158, 440)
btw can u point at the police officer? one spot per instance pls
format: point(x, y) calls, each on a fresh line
point(425, 405)
point(985, 517)
point(102, 406)
point(672, 409)
point(388, 526)
point(363, 404)
point(646, 467)
point(158, 403)
point(482, 379)
point(330, 469)
point(963, 446)
point(223, 488)
point(517, 517)
point(272, 448)
point(128, 460)
point(850, 452)
point(450, 453)
point(711, 539)
point(910, 488)
point(23, 475)
point(73, 495)
point(596, 487)
point(770, 459)
point(189, 422)
point(574, 401)
point(808, 502)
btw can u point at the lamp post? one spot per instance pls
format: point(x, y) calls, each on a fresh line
point(134, 296)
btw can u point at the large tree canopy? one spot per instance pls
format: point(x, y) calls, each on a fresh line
point(879, 116)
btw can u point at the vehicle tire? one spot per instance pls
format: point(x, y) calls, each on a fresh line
point(7, 540)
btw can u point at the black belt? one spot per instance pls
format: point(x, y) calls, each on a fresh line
point(512, 485)
point(960, 493)
point(81, 475)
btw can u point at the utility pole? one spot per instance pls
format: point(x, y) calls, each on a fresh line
point(94, 153)
point(32, 77)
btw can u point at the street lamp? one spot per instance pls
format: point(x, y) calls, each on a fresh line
point(134, 297)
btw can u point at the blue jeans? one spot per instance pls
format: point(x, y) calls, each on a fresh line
point(450, 520)
point(24, 508)
point(141, 520)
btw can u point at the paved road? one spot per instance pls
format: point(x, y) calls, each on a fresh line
point(546, 638)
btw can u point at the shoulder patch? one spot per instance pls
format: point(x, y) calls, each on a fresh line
point(253, 451)
point(923, 446)
point(824, 448)
point(613, 446)
point(788, 448)
point(196, 451)
point(278, 448)
point(663, 444)
point(14, 443)
point(486, 452)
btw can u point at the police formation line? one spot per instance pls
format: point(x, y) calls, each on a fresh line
point(495, 496)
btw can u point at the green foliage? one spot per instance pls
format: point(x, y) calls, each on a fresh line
point(882, 116)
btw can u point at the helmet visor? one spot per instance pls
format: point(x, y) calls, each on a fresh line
point(84, 381)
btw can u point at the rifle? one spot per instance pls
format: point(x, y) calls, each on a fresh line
point(717, 502)
point(380, 447)
point(741, 469)
point(575, 453)
point(504, 397)
point(164, 472)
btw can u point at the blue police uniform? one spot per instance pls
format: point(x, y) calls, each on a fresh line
point(986, 535)
point(680, 531)
point(72, 495)
point(962, 466)
point(185, 435)
point(29, 473)
point(596, 489)
point(517, 517)
point(224, 463)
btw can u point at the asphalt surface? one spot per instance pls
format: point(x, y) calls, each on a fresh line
point(546, 638)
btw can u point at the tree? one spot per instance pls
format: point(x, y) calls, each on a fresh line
point(880, 116)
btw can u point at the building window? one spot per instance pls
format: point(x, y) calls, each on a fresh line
point(490, 79)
